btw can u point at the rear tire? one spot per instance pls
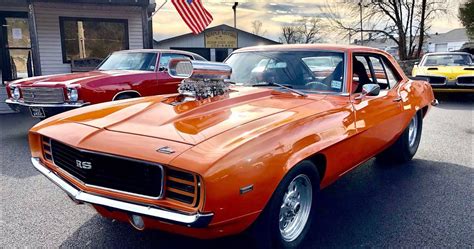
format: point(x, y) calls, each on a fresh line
point(407, 144)
point(286, 219)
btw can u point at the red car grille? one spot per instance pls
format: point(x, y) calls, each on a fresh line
point(43, 95)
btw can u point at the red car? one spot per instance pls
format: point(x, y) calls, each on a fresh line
point(124, 74)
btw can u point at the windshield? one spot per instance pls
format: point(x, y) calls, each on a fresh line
point(130, 61)
point(301, 70)
point(448, 60)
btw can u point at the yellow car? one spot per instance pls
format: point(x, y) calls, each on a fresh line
point(447, 71)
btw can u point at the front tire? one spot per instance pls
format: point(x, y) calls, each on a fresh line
point(404, 149)
point(286, 219)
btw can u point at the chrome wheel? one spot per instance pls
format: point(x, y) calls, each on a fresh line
point(412, 131)
point(295, 208)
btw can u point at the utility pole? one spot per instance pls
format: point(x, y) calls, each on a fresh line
point(235, 13)
point(361, 32)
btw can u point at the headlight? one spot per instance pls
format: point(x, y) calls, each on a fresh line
point(15, 91)
point(72, 94)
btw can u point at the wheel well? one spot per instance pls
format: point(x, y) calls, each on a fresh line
point(424, 111)
point(133, 94)
point(320, 161)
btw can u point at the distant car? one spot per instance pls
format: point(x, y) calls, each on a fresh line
point(122, 75)
point(218, 158)
point(450, 71)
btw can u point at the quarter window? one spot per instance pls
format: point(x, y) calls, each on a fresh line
point(87, 38)
point(393, 78)
point(370, 68)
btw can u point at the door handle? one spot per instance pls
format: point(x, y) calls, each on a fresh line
point(397, 99)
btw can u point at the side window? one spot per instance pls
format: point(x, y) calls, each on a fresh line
point(379, 72)
point(363, 60)
point(165, 59)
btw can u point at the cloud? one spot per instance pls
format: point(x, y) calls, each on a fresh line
point(273, 15)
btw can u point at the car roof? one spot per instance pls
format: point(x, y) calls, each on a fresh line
point(441, 53)
point(319, 46)
point(155, 51)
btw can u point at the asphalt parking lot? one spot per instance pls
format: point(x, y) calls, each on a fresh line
point(428, 202)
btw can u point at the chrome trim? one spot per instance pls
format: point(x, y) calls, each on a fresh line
point(126, 91)
point(190, 220)
point(77, 104)
point(160, 196)
point(462, 84)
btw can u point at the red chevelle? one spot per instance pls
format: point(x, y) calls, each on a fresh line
point(124, 74)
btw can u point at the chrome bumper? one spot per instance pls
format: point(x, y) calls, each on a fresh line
point(191, 220)
point(71, 105)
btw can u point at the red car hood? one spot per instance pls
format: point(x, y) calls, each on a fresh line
point(71, 78)
point(191, 122)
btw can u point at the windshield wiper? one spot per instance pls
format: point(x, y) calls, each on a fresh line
point(282, 86)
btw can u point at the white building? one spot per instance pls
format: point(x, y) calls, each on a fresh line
point(40, 37)
point(449, 41)
point(215, 43)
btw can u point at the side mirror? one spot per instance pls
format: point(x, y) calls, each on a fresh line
point(370, 90)
point(416, 63)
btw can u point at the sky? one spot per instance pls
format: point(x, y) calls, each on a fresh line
point(273, 15)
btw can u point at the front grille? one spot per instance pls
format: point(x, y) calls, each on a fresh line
point(182, 186)
point(107, 171)
point(466, 80)
point(43, 95)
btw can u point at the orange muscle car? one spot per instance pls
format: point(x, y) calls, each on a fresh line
point(245, 145)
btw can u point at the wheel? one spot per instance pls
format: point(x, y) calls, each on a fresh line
point(407, 144)
point(286, 219)
point(124, 96)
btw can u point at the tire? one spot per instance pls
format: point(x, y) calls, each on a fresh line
point(407, 144)
point(268, 231)
point(124, 96)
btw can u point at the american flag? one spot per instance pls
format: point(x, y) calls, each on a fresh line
point(194, 14)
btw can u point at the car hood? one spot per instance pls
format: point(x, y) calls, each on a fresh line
point(450, 72)
point(190, 122)
point(58, 80)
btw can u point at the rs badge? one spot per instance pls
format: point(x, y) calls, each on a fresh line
point(83, 165)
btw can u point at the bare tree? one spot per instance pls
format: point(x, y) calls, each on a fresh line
point(290, 35)
point(305, 30)
point(405, 22)
point(309, 29)
point(257, 28)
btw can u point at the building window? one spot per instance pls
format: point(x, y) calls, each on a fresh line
point(91, 38)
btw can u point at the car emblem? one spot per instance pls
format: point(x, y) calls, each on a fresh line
point(83, 165)
point(166, 150)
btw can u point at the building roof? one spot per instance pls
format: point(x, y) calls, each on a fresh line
point(218, 27)
point(455, 35)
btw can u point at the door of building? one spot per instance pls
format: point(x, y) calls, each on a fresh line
point(221, 54)
point(15, 46)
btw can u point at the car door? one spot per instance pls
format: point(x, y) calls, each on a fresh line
point(166, 83)
point(378, 118)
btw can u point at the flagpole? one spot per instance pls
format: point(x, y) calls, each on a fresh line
point(156, 11)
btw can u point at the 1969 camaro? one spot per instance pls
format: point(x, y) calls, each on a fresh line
point(243, 146)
